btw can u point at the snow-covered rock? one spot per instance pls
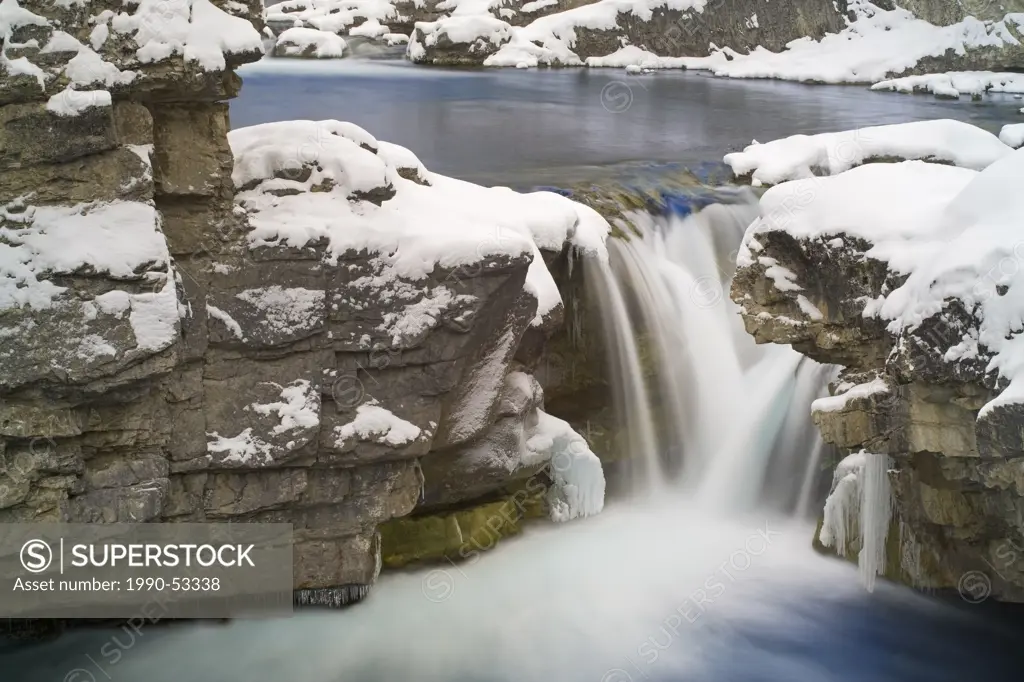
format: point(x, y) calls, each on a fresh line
point(803, 156)
point(876, 46)
point(310, 181)
point(309, 42)
point(1012, 135)
point(458, 39)
point(955, 83)
point(911, 270)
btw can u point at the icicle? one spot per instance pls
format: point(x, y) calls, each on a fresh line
point(842, 508)
point(860, 506)
point(875, 515)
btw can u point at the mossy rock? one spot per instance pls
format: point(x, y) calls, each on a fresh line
point(460, 534)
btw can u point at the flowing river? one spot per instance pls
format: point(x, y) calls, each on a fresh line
point(702, 576)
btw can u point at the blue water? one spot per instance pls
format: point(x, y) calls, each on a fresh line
point(508, 125)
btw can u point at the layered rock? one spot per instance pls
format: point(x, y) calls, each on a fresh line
point(568, 34)
point(275, 325)
point(925, 390)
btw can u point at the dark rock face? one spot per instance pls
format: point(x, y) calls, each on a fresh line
point(739, 24)
point(671, 33)
point(156, 366)
point(958, 481)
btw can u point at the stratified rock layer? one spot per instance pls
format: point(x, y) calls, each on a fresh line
point(165, 357)
point(957, 480)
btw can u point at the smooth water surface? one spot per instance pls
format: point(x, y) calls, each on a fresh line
point(492, 125)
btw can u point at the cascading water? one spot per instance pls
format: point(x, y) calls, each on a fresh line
point(648, 590)
point(701, 403)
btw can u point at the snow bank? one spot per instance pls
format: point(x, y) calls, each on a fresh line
point(895, 206)
point(635, 59)
point(802, 156)
point(1013, 135)
point(578, 480)
point(195, 29)
point(878, 44)
point(332, 16)
point(304, 42)
point(364, 203)
point(955, 83)
point(550, 39)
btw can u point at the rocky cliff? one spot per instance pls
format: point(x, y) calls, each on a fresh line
point(923, 394)
point(296, 323)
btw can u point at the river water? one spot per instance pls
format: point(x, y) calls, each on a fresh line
point(653, 590)
point(507, 125)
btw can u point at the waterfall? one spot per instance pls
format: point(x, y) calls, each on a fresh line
point(703, 407)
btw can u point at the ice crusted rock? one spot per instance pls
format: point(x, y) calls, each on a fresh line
point(858, 513)
point(579, 484)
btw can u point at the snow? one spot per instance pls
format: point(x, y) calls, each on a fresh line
point(296, 41)
point(846, 392)
point(228, 321)
point(374, 423)
point(536, 5)
point(578, 480)
point(782, 278)
point(198, 30)
point(953, 232)
point(71, 102)
point(243, 449)
point(877, 45)
point(873, 47)
point(283, 310)
point(332, 16)
point(802, 156)
point(155, 318)
point(369, 29)
point(1012, 135)
point(460, 29)
point(115, 238)
point(955, 83)
point(891, 205)
point(550, 39)
point(298, 409)
point(808, 308)
point(974, 249)
point(419, 317)
point(634, 60)
point(449, 223)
